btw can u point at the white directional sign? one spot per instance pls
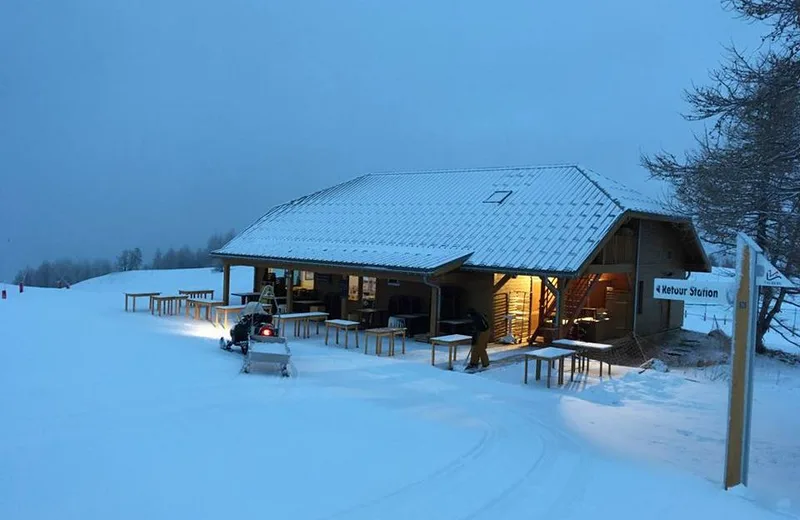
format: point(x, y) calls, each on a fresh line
point(715, 293)
point(768, 275)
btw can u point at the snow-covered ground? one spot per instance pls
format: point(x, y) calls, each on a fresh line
point(108, 414)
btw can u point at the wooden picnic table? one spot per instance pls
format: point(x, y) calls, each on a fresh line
point(197, 303)
point(135, 295)
point(550, 354)
point(583, 349)
point(451, 341)
point(302, 322)
point(346, 325)
point(169, 304)
point(197, 293)
point(384, 332)
point(225, 310)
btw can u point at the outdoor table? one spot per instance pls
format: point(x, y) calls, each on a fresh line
point(455, 323)
point(369, 315)
point(197, 293)
point(410, 322)
point(206, 304)
point(550, 354)
point(384, 332)
point(302, 322)
point(247, 296)
point(451, 341)
point(133, 297)
point(225, 310)
point(346, 325)
point(582, 348)
point(166, 304)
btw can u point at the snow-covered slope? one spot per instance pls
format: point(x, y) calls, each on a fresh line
point(108, 414)
point(168, 281)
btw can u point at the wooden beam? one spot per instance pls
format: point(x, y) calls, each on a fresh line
point(621, 221)
point(289, 290)
point(346, 271)
point(561, 292)
point(226, 283)
point(504, 280)
point(552, 288)
point(611, 268)
point(734, 448)
point(435, 299)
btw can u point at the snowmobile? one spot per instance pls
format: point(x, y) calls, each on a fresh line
point(253, 321)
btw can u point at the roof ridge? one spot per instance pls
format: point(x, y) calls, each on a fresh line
point(475, 169)
point(586, 171)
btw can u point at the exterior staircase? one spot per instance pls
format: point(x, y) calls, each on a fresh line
point(575, 295)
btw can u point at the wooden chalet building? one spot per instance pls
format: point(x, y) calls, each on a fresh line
point(550, 245)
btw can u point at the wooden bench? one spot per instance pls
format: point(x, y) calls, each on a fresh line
point(550, 354)
point(166, 304)
point(338, 325)
point(384, 332)
point(224, 311)
point(452, 342)
point(197, 304)
point(198, 293)
point(302, 322)
point(133, 297)
point(583, 348)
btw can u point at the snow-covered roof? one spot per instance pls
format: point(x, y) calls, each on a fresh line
point(528, 219)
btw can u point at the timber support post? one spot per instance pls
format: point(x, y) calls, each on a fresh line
point(561, 290)
point(256, 279)
point(226, 282)
point(289, 290)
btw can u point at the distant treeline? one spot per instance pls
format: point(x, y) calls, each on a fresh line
point(64, 272)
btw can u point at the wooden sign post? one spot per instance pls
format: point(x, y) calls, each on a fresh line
point(753, 270)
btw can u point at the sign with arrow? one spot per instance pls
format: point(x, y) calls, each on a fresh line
point(690, 291)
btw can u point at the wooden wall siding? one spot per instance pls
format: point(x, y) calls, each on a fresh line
point(661, 256)
point(522, 294)
point(620, 249)
point(499, 309)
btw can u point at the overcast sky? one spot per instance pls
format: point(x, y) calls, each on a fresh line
point(153, 123)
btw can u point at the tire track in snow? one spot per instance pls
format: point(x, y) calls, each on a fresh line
point(555, 506)
point(459, 462)
point(556, 474)
point(417, 497)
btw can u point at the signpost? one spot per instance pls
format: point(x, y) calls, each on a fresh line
point(753, 270)
point(714, 293)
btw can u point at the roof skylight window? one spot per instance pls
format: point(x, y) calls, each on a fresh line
point(497, 197)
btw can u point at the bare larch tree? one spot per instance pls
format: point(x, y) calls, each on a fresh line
point(744, 174)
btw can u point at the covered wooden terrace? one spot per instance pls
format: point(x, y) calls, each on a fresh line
point(408, 296)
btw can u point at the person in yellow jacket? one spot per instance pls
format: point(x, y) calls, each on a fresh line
point(479, 328)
